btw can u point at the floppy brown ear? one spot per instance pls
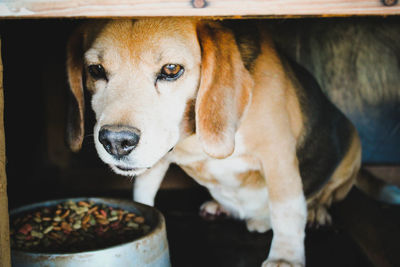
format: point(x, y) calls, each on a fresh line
point(224, 92)
point(76, 109)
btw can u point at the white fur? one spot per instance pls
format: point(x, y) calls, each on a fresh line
point(260, 225)
point(240, 202)
point(133, 96)
point(288, 219)
point(182, 156)
point(213, 207)
point(147, 184)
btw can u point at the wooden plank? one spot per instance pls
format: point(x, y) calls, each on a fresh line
point(387, 173)
point(218, 8)
point(373, 225)
point(5, 259)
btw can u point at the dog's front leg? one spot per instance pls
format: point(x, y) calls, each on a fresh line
point(288, 208)
point(147, 184)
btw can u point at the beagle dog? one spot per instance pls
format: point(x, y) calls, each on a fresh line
point(219, 100)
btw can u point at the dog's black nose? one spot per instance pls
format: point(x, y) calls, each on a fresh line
point(119, 140)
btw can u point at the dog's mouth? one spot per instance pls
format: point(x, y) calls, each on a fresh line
point(128, 171)
point(125, 169)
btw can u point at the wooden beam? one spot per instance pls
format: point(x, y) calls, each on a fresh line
point(5, 260)
point(373, 225)
point(207, 8)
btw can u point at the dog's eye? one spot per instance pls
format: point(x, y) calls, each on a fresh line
point(97, 72)
point(170, 72)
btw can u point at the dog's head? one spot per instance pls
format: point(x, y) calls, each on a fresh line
point(154, 82)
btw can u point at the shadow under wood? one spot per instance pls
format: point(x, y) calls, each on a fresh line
point(375, 226)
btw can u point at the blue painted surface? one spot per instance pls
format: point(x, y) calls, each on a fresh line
point(379, 130)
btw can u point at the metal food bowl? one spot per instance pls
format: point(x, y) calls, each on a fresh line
point(150, 250)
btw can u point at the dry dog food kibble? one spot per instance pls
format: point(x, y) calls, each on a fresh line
point(75, 227)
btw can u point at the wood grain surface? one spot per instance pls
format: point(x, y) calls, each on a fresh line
point(4, 224)
point(216, 8)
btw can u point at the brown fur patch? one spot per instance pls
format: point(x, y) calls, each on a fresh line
point(211, 125)
point(343, 178)
point(253, 179)
point(188, 124)
point(198, 172)
point(225, 90)
point(75, 127)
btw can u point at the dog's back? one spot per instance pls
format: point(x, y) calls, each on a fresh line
point(327, 134)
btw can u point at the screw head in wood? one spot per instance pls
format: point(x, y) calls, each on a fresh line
point(199, 3)
point(389, 2)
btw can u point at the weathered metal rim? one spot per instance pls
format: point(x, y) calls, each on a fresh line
point(156, 229)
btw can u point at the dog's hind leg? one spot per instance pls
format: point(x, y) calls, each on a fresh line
point(343, 179)
point(260, 225)
point(211, 210)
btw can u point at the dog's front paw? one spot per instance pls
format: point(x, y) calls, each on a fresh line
point(281, 263)
point(211, 210)
point(258, 225)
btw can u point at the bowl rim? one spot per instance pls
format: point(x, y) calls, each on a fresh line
point(158, 228)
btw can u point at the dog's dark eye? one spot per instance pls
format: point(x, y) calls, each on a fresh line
point(97, 72)
point(170, 72)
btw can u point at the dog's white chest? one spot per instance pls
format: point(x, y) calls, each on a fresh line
point(235, 182)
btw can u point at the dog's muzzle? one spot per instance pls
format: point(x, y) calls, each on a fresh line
point(119, 140)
